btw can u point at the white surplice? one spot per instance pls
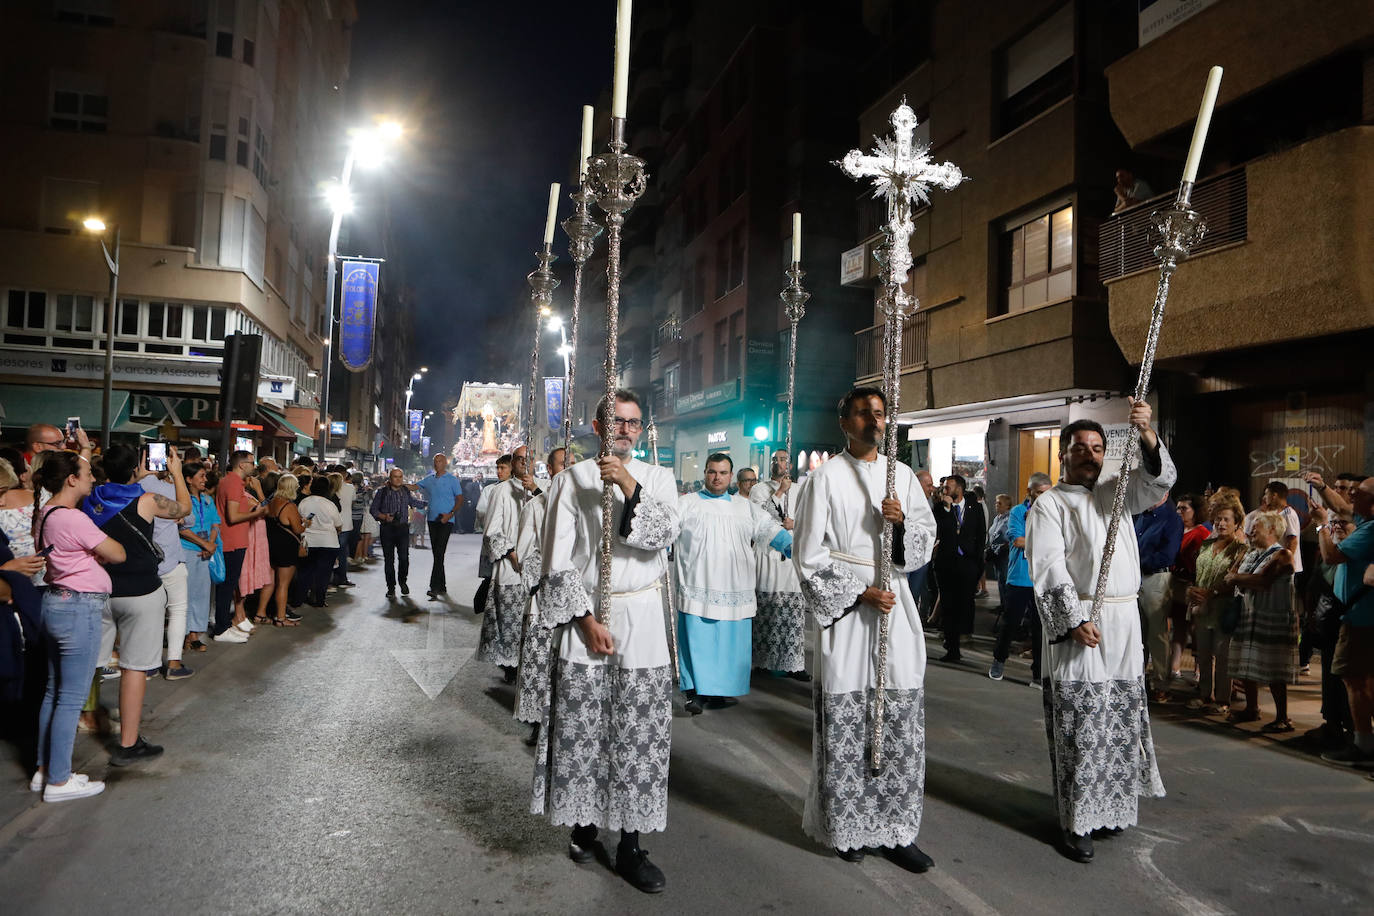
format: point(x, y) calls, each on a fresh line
point(603, 751)
point(536, 641)
point(780, 619)
point(836, 552)
point(1097, 716)
point(501, 624)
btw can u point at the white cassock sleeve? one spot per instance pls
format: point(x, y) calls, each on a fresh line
point(650, 521)
point(1056, 595)
point(563, 595)
point(831, 587)
point(1151, 480)
point(918, 528)
point(766, 530)
point(527, 543)
point(502, 524)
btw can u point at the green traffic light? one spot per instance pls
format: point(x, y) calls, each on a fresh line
point(760, 434)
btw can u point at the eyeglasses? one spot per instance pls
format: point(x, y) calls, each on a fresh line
point(630, 423)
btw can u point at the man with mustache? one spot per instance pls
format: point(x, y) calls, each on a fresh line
point(1101, 751)
point(837, 549)
point(602, 758)
point(500, 641)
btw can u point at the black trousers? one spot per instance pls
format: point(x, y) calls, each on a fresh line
point(957, 582)
point(438, 543)
point(396, 552)
point(1018, 608)
point(224, 591)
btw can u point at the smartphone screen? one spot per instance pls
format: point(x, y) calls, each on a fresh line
point(73, 424)
point(157, 456)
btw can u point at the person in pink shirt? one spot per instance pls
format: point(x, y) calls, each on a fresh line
point(78, 588)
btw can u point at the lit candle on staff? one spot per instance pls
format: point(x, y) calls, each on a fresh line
point(796, 238)
point(587, 112)
point(1204, 120)
point(622, 60)
point(553, 214)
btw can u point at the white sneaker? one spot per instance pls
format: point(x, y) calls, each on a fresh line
point(245, 625)
point(36, 784)
point(78, 786)
point(232, 635)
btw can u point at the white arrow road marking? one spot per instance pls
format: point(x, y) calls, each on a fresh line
point(1183, 901)
point(432, 667)
point(1358, 836)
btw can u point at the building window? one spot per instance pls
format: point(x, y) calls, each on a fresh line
point(250, 51)
point(719, 352)
point(86, 12)
point(735, 365)
point(75, 313)
point(224, 44)
point(1037, 262)
point(694, 289)
point(79, 102)
point(245, 131)
point(260, 157)
point(691, 366)
point(1036, 70)
point(734, 176)
point(66, 202)
point(219, 123)
point(27, 309)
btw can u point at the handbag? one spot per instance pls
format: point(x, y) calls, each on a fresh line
point(216, 563)
point(1230, 615)
point(479, 600)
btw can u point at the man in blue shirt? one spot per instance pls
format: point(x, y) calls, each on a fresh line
point(1159, 532)
point(1354, 657)
point(444, 492)
point(1019, 601)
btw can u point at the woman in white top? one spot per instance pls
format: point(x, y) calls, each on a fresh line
point(323, 522)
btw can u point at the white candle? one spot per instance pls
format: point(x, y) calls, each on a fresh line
point(1204, 120)
point(587, 112)
point(622, 59)
point(553, 214)
point(796, 238)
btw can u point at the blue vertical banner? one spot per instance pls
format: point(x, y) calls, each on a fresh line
point(416, 421)
point(358, 313)
point(424, 446)
point(553, 403)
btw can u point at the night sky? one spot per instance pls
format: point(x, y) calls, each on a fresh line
point(492, 95)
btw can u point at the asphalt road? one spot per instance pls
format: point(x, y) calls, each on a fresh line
point(363, 763)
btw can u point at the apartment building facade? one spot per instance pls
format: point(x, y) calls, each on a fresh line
point(196, 129)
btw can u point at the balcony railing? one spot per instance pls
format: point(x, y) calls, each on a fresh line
point(1127, 240)
point(868, 357)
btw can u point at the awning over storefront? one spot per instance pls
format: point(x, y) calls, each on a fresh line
point(949, 429)
point(303, 442)
point(24, 405)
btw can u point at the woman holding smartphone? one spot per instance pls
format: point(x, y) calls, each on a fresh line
point(199, 535)
point(73, 604)
point(322, 537)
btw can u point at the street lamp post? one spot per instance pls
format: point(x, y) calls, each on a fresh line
point(555, 323)
point(97, 226)
point(341, 204)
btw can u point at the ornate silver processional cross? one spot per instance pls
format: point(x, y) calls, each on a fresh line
point(902, 172)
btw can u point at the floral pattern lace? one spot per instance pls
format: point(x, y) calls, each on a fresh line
point(780, 632)
point(1060, 611)
point(531, 565)
point(653, 526)
point(603, 753)
point(918, 544)
point(832, 592)
point(848, 807)
point(498, 545)
point(563, 597)
point(500, 642)
point(717, 597)
point(532, 690)
point(1102, 755)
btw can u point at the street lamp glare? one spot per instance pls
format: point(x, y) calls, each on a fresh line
point(555, 323)
point(565, 350)
point(93, 224)
point(391, 130)
point(340, 201)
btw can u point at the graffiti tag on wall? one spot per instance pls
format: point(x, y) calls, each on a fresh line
point(1295, 458)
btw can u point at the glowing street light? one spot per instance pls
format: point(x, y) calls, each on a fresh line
point(96, 226)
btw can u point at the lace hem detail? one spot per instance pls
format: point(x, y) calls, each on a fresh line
point(918, 544)
point(831, 592)
point(563, 597)
point(498, 545)
point(603, 752)
point(532, 689)
point(780, 632)
point(653, 526)
point(1102, 754)
point(848, 807)
point(1060, 611)
point(500, 642)
point(531, 565)
point(717, 597)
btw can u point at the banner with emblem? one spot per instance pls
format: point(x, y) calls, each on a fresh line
point(553, 402)
point(358, 313)
point(416, 420)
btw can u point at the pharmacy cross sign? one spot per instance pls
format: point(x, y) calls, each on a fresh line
point(902, 172)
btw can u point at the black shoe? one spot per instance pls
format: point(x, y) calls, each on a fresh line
point(1076, 846)
point(802, 676)
point(141, 750)
point(634, 866)
point(581, 848)
point(850, 855)
point(292, 615)
point(405, 589)
point(391, 591)
point(952, 657)
point(910, 857)
point(346, 583)
point(721, 702)
point(533, 738)
point(693, 706)
point(431, 594)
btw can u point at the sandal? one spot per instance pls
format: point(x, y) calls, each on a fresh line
point(1277, 726)
point(284, 622)
point(261, 620)
point(195, 645)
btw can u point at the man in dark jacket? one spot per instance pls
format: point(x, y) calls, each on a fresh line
point(961, 533)
point(1159, 532)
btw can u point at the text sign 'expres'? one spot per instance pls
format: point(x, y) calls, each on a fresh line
point(358, 310)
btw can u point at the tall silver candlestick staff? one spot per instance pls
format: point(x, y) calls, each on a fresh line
point(794, 298)
point(617, 179)
point(669, 601)
point(902, 172)
point(582, 231)
point(542, 284)
point(1180, 228)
